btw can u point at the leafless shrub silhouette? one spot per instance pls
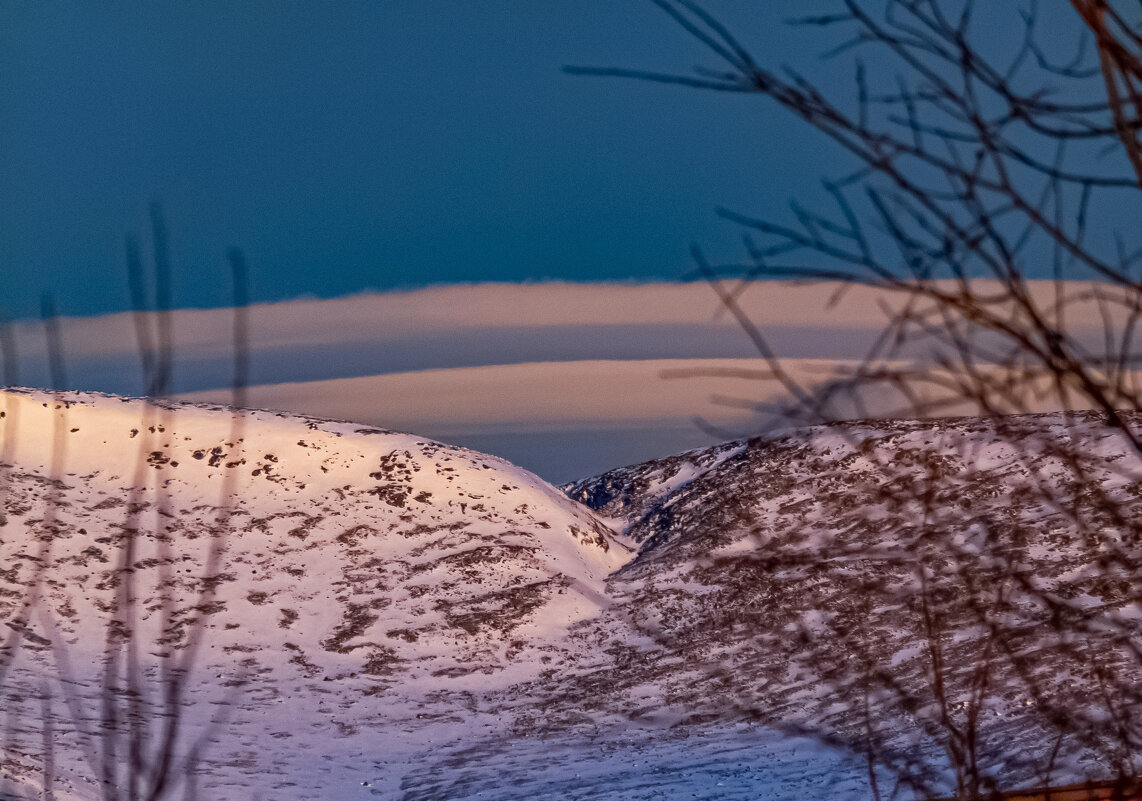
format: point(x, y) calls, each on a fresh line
point(137, 744)
point(978, 164)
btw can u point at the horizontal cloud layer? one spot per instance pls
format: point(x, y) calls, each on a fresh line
point(462, 326)
point(563, 378)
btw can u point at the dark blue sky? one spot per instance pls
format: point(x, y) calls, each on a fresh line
point(371, 145)
point(359, 145)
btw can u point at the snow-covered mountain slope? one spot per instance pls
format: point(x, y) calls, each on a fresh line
point(359, 572)
point(373, 614)
point(796, 578)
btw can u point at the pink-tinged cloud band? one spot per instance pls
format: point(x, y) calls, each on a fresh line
point(547, 374)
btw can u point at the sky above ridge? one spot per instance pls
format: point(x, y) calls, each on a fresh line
point(360, 145)
point(356, 145)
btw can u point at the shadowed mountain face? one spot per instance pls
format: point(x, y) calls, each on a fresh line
point(350, 612)
point(897, 584)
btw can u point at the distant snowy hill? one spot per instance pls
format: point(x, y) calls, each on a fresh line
point(378, 615)
point(792, 579)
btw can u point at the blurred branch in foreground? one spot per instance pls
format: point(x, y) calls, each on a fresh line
point(983, 157)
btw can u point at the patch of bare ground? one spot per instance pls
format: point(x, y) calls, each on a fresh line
point(500, 611)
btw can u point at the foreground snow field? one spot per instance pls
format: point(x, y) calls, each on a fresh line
point(374, 614)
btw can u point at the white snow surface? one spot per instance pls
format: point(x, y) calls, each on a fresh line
point(377, 615)
point(772, 571)
point(381, 605)
point(363, 570)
